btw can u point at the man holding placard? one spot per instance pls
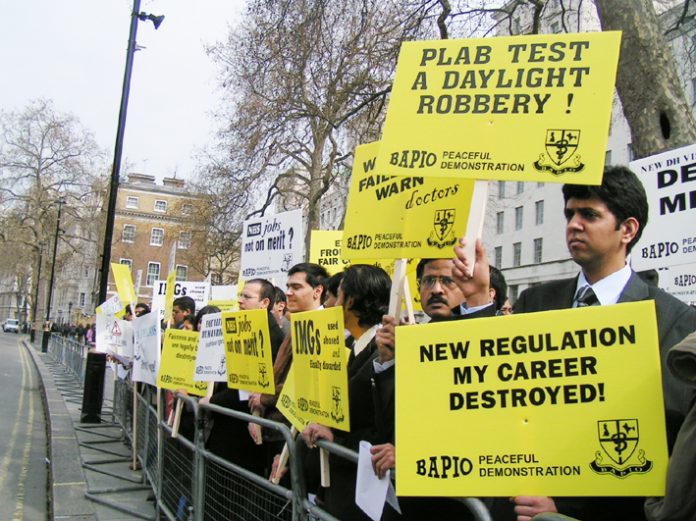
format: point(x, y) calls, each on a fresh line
point(364, 296)
point(602, 224)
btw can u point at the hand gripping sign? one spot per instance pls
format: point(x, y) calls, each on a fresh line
point(560, 403)
point(523, 108)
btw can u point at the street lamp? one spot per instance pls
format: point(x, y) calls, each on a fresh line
point(47, 330)
point(118, 149)
point(32, 334)
point(92, 395)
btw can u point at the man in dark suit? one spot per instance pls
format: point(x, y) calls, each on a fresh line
point(602, 225)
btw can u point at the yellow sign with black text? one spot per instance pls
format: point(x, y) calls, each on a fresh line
point(418, 217)
point(518, 108)
point(124, 283)
point(179, 362)
point(316, 389)
point(325, 250)
point(248, 351)
point(560, 403)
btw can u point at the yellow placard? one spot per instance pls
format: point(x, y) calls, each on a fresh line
point(225, 305)
point(248, 350)
point(325, 250)
point(560, 403)
point(417, 217)
point(179, 361)
point(124, 283)
point(169, 296)
point(523, 108)
point(316, 389)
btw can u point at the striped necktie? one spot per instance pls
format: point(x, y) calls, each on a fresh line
point(586, 297)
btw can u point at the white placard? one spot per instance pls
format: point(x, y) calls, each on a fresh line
point(669, 239)
point(271, 246)
point(198, 291)
point(147, 335)
point(210, 357)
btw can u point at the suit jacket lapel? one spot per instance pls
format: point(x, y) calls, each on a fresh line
point(634, 290)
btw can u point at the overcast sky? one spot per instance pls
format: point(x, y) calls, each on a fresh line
point(74, 52)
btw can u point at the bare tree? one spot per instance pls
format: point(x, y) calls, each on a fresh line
point(45, 155)
point(298, 73)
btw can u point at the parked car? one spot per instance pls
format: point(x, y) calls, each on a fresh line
point(11, 324)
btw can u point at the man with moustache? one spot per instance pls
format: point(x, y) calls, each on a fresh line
point(439, 294)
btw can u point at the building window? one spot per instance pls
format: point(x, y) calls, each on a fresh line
point(157, 237)
point(132, 202)
point(501, 189)
point(153, 273)
point(187, 209)
point(184, 240)
point(518, 218)
point(81, 301)
point(181, 273)
point(127, 262)
point(160, 206)
point(539, 212)
point(498, 257)
point(516, 254)
point(514, 292)
point(520, 187)
point(538, 246)
point(499, 222)
point(607, 157)
point(128, 234)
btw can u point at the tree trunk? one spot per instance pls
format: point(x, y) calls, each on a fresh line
point(649, 86)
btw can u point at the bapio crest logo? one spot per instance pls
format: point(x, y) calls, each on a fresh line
point(442, 235)
point(619, 440)
point(560, 157)
point(337, 411)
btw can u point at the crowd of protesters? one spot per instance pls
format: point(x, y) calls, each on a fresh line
point(602, 224)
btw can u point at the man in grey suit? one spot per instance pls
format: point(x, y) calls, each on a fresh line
point(602, 224)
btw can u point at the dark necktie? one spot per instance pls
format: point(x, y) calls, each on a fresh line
point(586, 297)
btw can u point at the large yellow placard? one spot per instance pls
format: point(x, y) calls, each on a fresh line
point(248, 352)
point(316, 389)
point(522, 108)
point(124, 283)
point(560, 403)
point(401, 217)
point(325, 250)
point(179, 361)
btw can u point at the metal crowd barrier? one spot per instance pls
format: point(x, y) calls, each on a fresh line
point(70, 353)
point(189, 482)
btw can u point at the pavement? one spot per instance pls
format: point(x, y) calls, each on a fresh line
point(89, 475)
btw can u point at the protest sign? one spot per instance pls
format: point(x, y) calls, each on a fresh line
point(124, 283)
point(418, 217)
point(210, 357)
point(271, 246)
point(560, 403)
point(146, 337)
point(248, 351)
point(680, 282)
point(225, 305)
point(110, 306)
point(178, 361)
point(198, 291)
point(669, 239)
point(523, 108)
point(316, 389)
point(325, 250)
point(114, 336)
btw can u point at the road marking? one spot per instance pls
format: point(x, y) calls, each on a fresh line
point(4, 465)
point(26, 453)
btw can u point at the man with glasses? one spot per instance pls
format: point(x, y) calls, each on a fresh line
point(439, 293)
